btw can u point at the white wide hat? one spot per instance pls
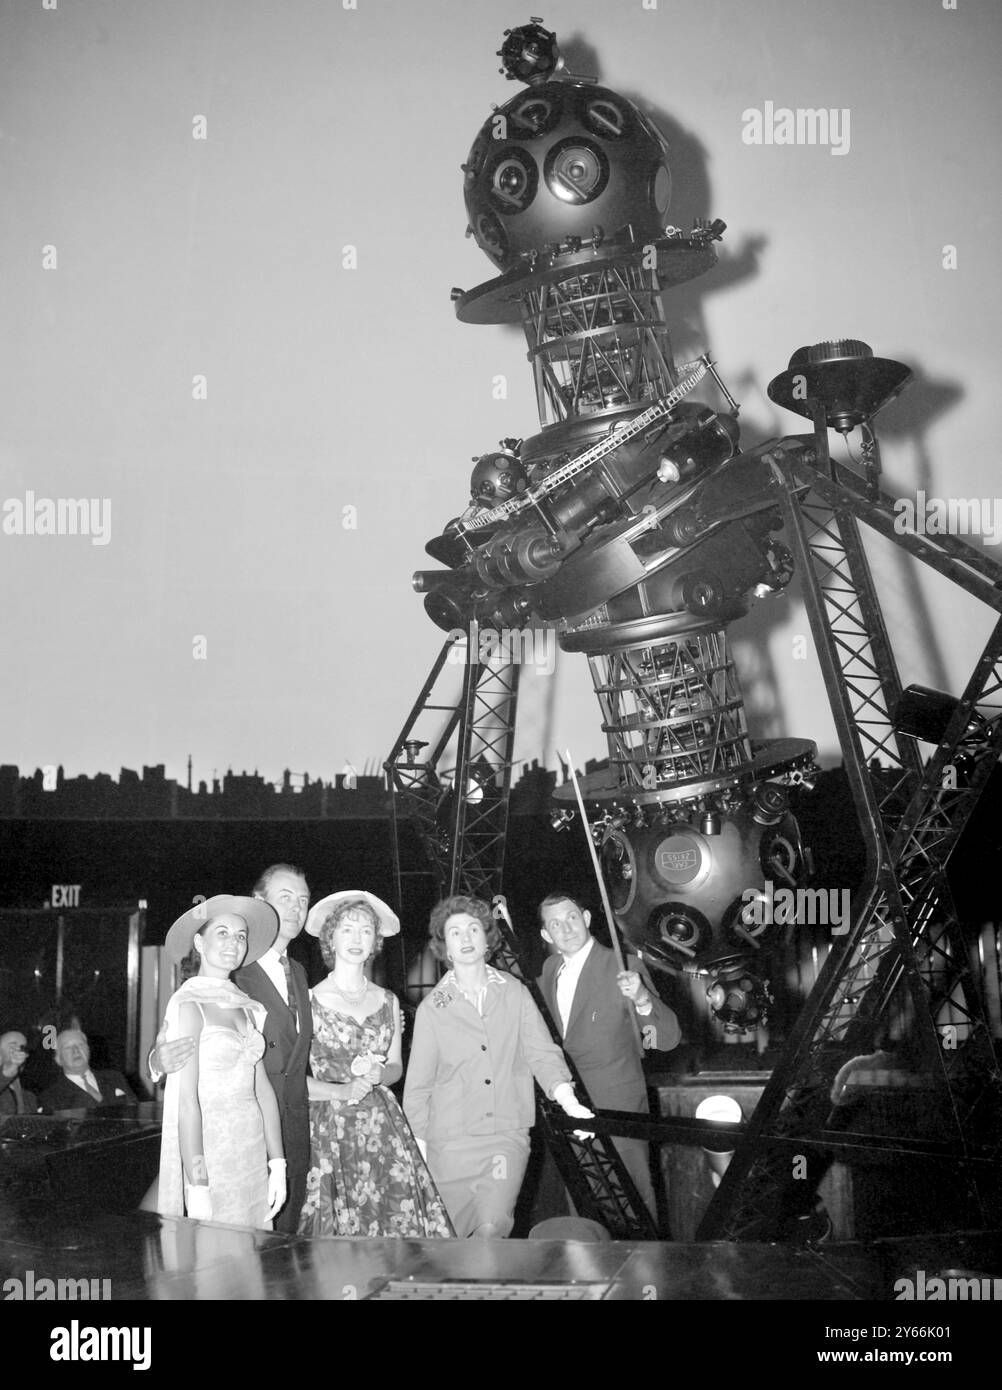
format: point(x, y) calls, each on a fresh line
point(261, 919)
point(389, 922)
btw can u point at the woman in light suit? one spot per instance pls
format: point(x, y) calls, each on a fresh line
point(478, 1042)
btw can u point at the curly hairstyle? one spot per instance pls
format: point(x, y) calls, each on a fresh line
point(451, 907)
point(330, 924)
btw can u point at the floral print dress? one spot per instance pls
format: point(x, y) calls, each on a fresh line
point(367, 1176)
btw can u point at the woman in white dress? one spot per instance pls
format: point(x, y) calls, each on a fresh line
point(221, 1156)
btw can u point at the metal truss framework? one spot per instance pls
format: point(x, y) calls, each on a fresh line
point(461, 817)
point(902, 974)
point(674, 705)
point(597, 338)
point(478, 820)
point(904, 956)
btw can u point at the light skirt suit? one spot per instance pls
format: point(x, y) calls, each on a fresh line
point(469, 1094)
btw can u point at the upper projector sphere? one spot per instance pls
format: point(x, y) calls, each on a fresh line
point(560, 160)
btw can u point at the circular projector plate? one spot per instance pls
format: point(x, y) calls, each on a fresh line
point(501, 300)
point(769, 759)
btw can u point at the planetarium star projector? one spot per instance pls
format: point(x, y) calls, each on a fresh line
point(630, 522)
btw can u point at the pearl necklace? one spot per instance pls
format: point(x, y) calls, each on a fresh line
point(347, 995)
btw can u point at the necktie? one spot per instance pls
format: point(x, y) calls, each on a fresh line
point(92, 1090)
point(563, 990)
point(289, 990)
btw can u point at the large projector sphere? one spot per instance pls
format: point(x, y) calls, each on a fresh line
point(561, 160)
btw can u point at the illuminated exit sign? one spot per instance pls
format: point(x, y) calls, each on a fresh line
point(65, 895)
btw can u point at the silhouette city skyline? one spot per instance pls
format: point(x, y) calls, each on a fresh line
point(47, 794)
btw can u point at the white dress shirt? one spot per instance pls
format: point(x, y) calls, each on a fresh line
point(271, 964)
point(273, 968)
point(567, 982)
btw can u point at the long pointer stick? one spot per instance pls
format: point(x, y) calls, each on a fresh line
point(607, 906)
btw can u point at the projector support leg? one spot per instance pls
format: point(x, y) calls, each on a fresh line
point(903, 966)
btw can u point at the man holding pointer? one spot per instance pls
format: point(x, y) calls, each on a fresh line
point(590, 1000)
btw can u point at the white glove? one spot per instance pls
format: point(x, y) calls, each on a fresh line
point(277, 1190)
point(198, 1203)
point(570, 1105)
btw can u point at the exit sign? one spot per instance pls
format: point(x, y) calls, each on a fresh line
point(65, 895)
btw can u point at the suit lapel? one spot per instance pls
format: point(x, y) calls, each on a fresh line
point(257, 984)
point(76, 1096)
point(304, 1005)
point(585, 991)
point(549, 987)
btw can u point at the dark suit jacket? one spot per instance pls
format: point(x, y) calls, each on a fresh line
point(600, 1037)
point(64, 1095)
point(8, 1098)
point(286, 1058)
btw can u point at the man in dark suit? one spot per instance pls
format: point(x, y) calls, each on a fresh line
point(591, 1000)
point(79, 1088)
point(279, 983)
point(14, 1099)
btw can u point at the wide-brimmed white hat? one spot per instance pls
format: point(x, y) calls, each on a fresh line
point(261, 918)
point(389, 922)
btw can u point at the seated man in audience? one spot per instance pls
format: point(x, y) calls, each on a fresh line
point(14, 1099)
point(79, 1088)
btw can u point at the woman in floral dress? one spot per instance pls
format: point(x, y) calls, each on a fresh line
point(367, 1176)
